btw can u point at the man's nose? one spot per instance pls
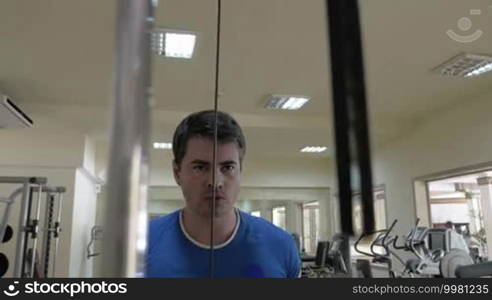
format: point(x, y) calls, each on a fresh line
point(218, 178)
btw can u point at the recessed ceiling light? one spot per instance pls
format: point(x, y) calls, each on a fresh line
point(286, 102)
point(163, 146)
point(313, 149)
point(173, 43)
point(466, 65)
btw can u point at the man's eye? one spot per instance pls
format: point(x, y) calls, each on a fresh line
point(228, 168)
point(198, 167)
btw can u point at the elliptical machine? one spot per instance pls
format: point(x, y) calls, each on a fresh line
point(383, 240)
point(439, 252)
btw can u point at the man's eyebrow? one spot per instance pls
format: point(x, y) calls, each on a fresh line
point(204, 162)
point(228, 162)
point(201, 162)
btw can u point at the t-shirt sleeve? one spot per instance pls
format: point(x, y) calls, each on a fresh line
point(150, 241)
point(294, 270)
point(154, 234)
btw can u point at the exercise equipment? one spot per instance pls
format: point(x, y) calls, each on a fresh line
point(96, 235)
point(363, 268)
point(7, 235)
point(4, 264)
point(28, 263)
point(336, 259)
point(319, 268)
point(52, 228)
point(353, 155)
point(127, 179)
point(473, 271)
point(329, 260)
point(439, 252)
point(25, 225)
point(381, 245)
point(452, 260)
point(125, 228)
point(4, 227)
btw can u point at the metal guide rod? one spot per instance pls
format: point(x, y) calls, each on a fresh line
point(21, 235)
point(22, 180)
point(350, 112)
point(35, 230)
point(47, 232)
point(54, 189)
point(126, 216)
point(350, 118)
point(214, 159)
point(56, 234)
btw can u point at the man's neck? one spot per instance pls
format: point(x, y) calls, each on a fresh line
point(198, 227)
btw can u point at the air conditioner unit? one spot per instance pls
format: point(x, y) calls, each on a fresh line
point(11, 116)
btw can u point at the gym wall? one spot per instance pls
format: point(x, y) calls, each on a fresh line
point(454, 138)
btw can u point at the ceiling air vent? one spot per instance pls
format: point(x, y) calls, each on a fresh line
point(11, 116)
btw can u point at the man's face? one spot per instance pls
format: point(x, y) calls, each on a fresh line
point(194, 175)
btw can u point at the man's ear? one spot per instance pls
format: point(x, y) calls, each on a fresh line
point(176, 171)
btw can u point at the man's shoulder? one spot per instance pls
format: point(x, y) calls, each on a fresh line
point(164, 223)
point(267, 229)
point(162, 228)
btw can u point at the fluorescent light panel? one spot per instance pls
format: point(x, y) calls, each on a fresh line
point(286, 102)
point(313, 149)
point(466, 65)
point(178, 44)
point(163, 146)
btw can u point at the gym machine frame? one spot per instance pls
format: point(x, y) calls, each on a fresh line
point(28, 225)
point(125, 225)
point(126, 222)
point(52, 227)
point(25, 226)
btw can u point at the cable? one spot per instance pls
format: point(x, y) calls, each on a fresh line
point(214, 161)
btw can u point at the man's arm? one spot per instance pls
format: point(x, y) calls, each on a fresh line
point(294, 266)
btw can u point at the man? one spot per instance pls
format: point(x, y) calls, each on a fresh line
point(244, 245)
point(458, 241)
point(449, 225)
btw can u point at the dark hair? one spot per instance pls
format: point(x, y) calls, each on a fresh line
point(201, 124)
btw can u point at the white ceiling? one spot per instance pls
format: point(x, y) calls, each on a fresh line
point(56, 61)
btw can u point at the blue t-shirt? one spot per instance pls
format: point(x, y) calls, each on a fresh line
point(256, 249)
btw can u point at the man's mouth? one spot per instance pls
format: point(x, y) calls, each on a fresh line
point(217, 198)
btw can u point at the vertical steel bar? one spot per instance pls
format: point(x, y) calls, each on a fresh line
point(57, 233)
point(214, 159)
point(350, 117)
point(19, 256)
point(126, 213)
point(35, 228)
point(47, 232)
point(350, 111)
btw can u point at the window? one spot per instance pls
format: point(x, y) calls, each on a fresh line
point(458, 200)
point(379, 198)
point(310, 222)
point(279, 217)
point(256, 213)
